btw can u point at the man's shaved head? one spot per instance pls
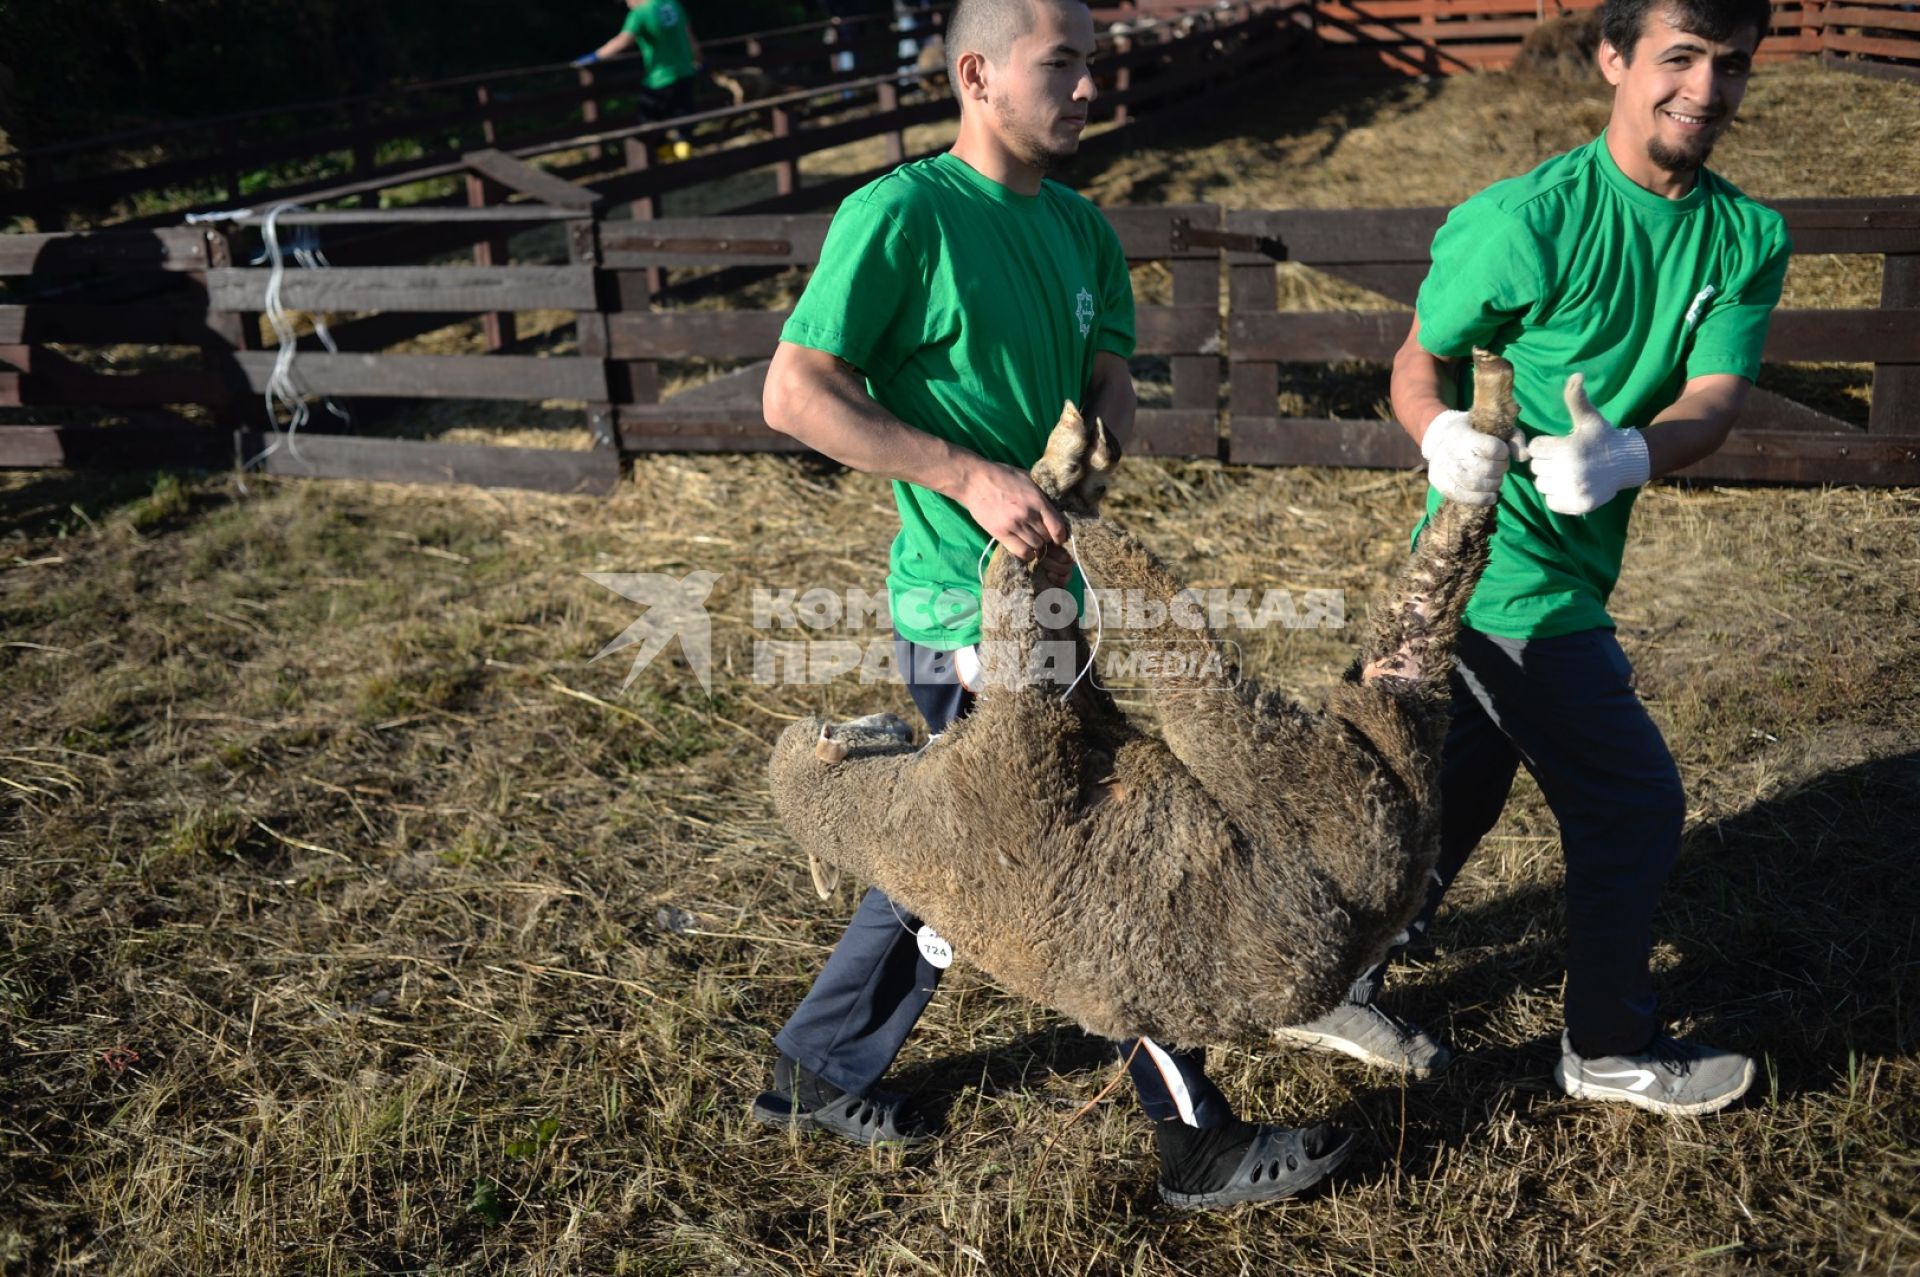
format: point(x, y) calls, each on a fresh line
point(989, 28)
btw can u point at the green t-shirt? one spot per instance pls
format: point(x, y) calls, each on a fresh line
point(975, 313)
point(659, 30)
point(1574, 268)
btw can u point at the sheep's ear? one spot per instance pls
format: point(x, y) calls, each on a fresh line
point(825, 877)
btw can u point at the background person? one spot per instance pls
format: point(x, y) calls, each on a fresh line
point(659, 30)
point(1631, 288)
point(958, 302)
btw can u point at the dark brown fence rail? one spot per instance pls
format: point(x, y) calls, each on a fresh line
point(180, 288)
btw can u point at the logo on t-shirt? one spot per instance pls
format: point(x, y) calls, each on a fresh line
point(1700, 300)
point(669, 13)
point(1083, 311)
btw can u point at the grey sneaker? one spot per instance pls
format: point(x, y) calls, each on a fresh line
point(1670, 1076)
point(1368, 1032)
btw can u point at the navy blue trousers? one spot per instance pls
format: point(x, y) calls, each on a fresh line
point(875, 984)
point(1565, 708)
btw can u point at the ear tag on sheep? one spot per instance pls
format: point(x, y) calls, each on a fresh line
point(934, 948)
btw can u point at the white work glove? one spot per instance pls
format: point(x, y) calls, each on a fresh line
point(1580, 472)
point(1464, 464)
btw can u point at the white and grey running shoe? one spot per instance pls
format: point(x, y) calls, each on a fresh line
point(1670, 1076)
point(1368, 1032)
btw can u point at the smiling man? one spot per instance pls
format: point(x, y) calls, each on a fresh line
point(1631, 289)
point(959, 301)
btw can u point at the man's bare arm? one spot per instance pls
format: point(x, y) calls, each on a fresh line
point(617, 46)
point(1420, 385)
point(1110, 396)
point(822, 401)
point(1697, 423)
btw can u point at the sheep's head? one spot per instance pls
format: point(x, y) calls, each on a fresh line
point(1078, 464)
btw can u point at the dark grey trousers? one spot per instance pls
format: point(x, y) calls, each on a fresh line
point(1565, 707)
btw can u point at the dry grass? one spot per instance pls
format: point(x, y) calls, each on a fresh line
point(351, 920)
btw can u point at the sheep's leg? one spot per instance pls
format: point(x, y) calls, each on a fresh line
point(1410, 646)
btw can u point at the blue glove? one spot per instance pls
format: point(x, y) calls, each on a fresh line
point(587, 59)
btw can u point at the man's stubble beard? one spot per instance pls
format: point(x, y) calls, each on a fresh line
point(1027, 145)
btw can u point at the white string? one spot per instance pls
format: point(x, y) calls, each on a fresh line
point(284, 391)
point(1099, 622)
point(1092, 596)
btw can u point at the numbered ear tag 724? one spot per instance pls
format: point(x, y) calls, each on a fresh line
point(934, 948)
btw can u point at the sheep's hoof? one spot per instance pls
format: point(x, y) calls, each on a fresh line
point(1079, 462)
point(827, 749)
point(825, 877)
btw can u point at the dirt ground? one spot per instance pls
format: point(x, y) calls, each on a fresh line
point(354, 919)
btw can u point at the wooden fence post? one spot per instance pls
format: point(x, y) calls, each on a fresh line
point(1196, 282)
point(236, 331)
point(1122, 80)
point(481, 193)
point(787, 171)
point(363, 153)
point(489, 127)
point(896, 137)
point(1896, 387)
point(1253, 389)
point(639, 152)
point(589, 109)
point(590, 327)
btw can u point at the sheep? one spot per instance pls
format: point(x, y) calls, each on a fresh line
point(1209, 885)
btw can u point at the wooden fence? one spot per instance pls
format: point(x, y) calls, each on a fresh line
point(1442, 37)
point(523, 104)
point(183, 289)
point(536, 110)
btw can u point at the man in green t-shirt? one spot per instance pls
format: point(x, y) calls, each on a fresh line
point(659, 30)
point(959, 302)
point(1630, 287)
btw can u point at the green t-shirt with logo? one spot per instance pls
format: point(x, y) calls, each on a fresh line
point(975, 313)
point(659, 30)
point(1575, 268)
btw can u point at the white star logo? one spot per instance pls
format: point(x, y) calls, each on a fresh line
point(1083, 311)
point(675, 609)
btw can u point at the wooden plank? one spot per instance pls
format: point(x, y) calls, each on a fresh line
point(1180, 330)
point(694, 334)
point(1896, 388)
point(1309, 441)
point(699, 428)
point(1316, 336)
point(1890, 336)
point(707, 241)
point(1335, 236)
point(1794, 457)
point(1146, 232)
point(743, 388)
point(1253, 388)
point(410, 288)
point(1768, 411)
point(318, 456)
point(102, 325)
point(129, 447)
point(536, 184)
point(88, 252)
point(528, 377)
point(1884, 19)
point(1175, 432)
point(1873, 48)
point(56, 379)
